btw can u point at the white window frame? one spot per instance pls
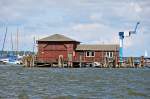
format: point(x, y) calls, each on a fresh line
point(90, 53)
point(109, 54)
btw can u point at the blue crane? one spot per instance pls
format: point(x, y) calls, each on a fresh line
point(122, 36)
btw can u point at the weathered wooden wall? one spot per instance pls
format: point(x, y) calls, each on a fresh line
point(50, 52)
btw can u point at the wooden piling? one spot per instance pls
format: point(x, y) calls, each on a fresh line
point(28, 61)
point(142, 62)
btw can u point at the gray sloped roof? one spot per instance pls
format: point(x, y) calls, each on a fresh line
point(57, 37)
point(97, 47)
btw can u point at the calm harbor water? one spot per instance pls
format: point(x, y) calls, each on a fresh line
point(17, 82)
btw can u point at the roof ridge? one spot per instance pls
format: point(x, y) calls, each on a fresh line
point(57, 37)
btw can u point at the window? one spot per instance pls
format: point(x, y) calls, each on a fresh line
point(90, 54)
point(109, 54)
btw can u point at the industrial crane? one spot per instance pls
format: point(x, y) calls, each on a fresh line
point(122, 35)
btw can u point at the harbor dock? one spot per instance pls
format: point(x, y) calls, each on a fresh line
point(129, 62)
point(61, 51)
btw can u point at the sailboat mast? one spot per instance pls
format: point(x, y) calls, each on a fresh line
point(4, 42)
point(17, 40)
point(12, 46)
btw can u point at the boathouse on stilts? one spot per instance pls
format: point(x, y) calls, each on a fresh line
point(60, 51)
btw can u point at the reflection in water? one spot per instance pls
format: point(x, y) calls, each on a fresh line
point(17, 82)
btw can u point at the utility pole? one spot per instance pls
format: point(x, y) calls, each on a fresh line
point(34, 44)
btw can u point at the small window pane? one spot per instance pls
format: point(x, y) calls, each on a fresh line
point(87, 53)
point(92, 54)
point(110, 54)
point(107, 54)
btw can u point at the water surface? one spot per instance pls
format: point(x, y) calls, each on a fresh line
point(17, 82)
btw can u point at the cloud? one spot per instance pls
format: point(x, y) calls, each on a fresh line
point(95, 33)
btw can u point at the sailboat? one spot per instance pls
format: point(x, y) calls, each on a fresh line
point(3, 58)
point(10, 58)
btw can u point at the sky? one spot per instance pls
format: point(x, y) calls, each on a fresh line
point(88, 21)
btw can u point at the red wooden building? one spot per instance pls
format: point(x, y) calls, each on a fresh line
point(59, 48)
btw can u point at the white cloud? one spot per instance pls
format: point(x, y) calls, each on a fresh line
point(136, 7)
point(96, 16)
point(87, 27)
point(95, 33)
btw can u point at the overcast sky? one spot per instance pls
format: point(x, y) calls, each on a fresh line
point(88, 21)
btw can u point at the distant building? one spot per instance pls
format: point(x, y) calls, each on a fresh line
point(53, 48)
